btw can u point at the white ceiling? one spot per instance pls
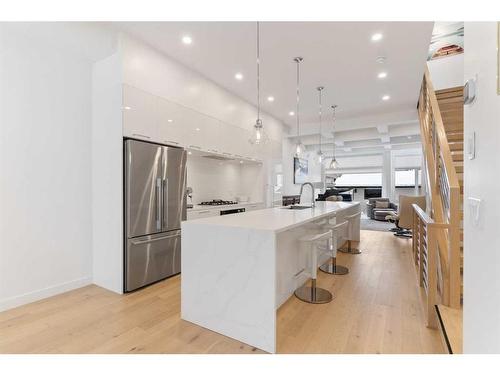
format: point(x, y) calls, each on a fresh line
point(337, 55)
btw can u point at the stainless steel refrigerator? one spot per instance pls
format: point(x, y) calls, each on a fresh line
point(155, 205)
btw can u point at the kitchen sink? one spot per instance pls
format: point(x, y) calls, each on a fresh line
point(296, 207)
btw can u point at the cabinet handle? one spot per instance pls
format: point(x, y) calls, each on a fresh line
point(203, 212)
point(213, 150)
point(140, 135)
point(175, 143)
point(227, 153)
point(238, 156)
point(196, 147)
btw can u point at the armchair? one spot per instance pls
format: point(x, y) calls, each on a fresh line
point(371, 208)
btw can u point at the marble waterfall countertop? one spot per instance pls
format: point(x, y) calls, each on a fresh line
point(277, 219)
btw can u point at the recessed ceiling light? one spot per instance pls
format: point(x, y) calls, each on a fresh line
point(376, 37)
point(409, 137)
point(386, 97)
point(238, 76)
point(197, 129)
point(382, 75)
point(127, 108)
point(190, 153)
point(241, 161)
point(186, 39)
point(291, 113)
point(270, 98)
point(170, 120)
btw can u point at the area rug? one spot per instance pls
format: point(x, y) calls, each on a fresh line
point(380, 226)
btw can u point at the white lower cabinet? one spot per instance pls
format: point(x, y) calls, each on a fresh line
point(253, 207)
point(192, 215)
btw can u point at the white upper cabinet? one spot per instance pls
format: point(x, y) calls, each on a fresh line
point(153, 118)
point(171, 122)
point(139, 114)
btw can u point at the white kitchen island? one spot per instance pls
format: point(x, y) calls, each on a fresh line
point(237, 270)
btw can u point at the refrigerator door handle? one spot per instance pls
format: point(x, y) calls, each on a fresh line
point(156, 239)
point(158, 203)
point(165, 197)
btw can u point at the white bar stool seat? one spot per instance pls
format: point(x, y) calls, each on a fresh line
point(314, 294)
point(331, 266)
point(351, 219)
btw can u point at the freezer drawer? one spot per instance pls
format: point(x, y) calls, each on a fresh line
point(152, 258)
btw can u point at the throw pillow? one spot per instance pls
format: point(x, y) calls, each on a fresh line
point(380, 204)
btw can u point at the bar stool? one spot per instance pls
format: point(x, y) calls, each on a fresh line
point(313, 294)
point(331, 266)
point(351, 219)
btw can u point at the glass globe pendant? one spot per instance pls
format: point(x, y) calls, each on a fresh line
point(258, 135)
point(319, 153)
point(299, 146)
point(334, 164)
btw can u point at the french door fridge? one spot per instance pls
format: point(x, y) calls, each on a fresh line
point(155, 205)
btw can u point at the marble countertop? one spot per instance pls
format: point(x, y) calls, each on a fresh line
point(199, 207)
point(276, 219)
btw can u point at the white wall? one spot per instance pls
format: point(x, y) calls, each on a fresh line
point(45, 164)
point(213, 179)
point(107, 173)
point(482, 177)
point(447, 72)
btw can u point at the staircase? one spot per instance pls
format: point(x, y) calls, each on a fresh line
point(438, 233)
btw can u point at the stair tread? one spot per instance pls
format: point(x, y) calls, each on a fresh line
point(452, 321)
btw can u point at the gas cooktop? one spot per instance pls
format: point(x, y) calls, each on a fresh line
point(217, 202)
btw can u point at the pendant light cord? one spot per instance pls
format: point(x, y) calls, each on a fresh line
point(320, 89)
point(258, 71)
point(333, 130)
point(298, 98)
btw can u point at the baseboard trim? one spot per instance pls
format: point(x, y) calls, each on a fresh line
point(23, 299)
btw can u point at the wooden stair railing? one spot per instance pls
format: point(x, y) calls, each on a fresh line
point(444, 194)
point(425, 254)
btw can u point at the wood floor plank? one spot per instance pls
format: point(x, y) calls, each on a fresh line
point(376, 309)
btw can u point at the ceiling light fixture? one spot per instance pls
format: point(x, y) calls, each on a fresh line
point(258, 136)
point(334, 164)
point(382, 75)
point(190, 153)
point(186, 39)
point(376, 37)
point(197, 129)
point(291, 113)
point(270, 98)
point(238, 76)
point(299, 146)
point(319, 154)
point(170, 120)
point(385, 97)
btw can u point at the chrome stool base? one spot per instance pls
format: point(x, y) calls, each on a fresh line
point(349, 249)
point(334, 269)
point(313, 294)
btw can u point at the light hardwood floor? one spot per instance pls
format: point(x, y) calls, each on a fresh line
point(376, 309)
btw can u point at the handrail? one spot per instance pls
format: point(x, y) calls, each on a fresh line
point(444, 191)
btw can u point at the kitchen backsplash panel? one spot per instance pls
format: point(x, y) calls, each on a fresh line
point(213, 179)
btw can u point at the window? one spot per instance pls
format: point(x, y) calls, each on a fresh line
point(406, 177)
point(359, 179)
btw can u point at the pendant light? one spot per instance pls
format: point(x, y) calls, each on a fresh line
point(334, 164)
point(299, 146)
point(258, 135)
point(319, 154)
